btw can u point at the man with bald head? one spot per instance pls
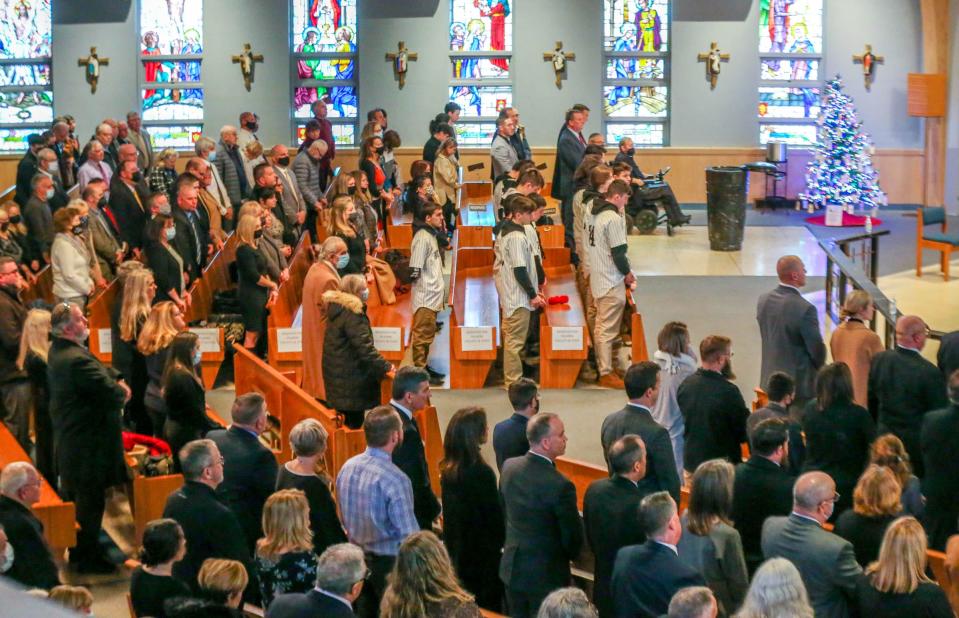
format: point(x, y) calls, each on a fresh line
point(904, 387)
point(789, 328)
point(321, 278)
point(826, 562)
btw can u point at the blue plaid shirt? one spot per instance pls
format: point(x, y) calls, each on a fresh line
point(376, 502)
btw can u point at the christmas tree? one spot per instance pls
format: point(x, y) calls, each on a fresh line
point(842, 172)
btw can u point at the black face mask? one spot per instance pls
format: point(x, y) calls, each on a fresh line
point(284, 161)
point(258, 234)
point(631, 151)
point(352, 191)
point(77, 229)
point(380, 150)
point(252, 126)
point(4, 227)
point(15, 219)
point(137, 176)
point(102, 203)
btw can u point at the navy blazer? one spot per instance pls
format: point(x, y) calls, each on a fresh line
point(569, 154)
point(309, 605)
point(509, 439)
point(645, 578)
point(410, 457)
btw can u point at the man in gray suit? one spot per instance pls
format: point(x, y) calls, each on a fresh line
point(826, 562)
point(103, 235)
point(141, 140)
point(790, 333)
point(294, 207)
point(502, 153)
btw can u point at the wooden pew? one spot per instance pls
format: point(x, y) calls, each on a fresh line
point(761, 400)
point(944, 576)
point(564, 339)
point(640, 352)
point(285, 345)
point(42, 289)
point(475, 224)
point(216, 278)
point(582, 474)
point(474, 317)
point(149, 499)
point(399, 229)
point(99, 309)
point(391, 324)
point(550, 236)
point(58, 517)
point(290, 404)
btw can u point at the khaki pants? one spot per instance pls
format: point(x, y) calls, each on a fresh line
point(515, 329)
point(421, 336)
point(609, 315)
point(586, 295)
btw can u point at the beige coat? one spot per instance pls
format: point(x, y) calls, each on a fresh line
point(855, 344)
point(213, 212)
point(445, 180)
point(321, 278)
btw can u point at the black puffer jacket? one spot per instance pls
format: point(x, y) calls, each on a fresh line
point(352, 368)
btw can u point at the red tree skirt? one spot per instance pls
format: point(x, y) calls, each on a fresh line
point(848, 220)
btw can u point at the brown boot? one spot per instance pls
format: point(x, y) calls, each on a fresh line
point(610, 380)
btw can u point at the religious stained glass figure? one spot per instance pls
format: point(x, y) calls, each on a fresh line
point(324, 26)
point(497, 11)
point(171, 28)
point(25, 34)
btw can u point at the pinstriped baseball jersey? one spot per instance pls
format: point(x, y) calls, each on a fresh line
point(606, 230)
point(429, 288)
point(511, 250)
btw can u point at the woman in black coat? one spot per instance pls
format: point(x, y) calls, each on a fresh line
point(352, 367)
point(838, 432)
point(255, 289)
point(165, 262)
point(184, 396)
point(473, 524)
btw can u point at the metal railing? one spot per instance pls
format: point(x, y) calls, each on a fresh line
point(844, 274)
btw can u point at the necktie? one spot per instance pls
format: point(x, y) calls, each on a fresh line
point(113, 220)
point(136, 196)
point(103, 172)
point(581, 140)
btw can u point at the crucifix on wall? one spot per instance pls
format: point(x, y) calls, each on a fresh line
point(91, 65)
point(713, 59)
point(400, 61)
point(868, 60)
point(558, 58)
point(247, 61)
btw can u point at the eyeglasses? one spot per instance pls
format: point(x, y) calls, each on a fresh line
point(835, 497)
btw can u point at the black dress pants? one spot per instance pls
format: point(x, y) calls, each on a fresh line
point(368, 604)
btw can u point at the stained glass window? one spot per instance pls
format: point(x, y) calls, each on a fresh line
point(481, 45)
point(323, 42)
point(790, 52)
point(171, 56)
point(636, 77)
point(26, 90)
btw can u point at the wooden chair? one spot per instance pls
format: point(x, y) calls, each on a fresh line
point(940, 240)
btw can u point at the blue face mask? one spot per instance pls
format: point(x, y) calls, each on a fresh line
point(197, 357)
point(212, 156)
point(342, 261)
point(170, 233)
point(365, 295)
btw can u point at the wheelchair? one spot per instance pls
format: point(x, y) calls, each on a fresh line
point(645, 213)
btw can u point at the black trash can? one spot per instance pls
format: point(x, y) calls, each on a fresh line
point(726, 191)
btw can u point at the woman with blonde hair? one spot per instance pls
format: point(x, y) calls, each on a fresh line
point(875, 504)
point(34, 347)
point(777, 591)
point(341, 226)
point(251, 155)
point(889, 452)
point(854, 342)
point(709, 542)
point(284, 557)
point(896, 584)
point(223, 581)
point(423, 584)
point(156, 337)
point(163, 175)
point(305, 472)
point(139, 290)
point(255, 290)
point(446, 181)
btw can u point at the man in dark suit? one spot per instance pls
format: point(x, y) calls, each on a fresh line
point(642, 389)
point(39, 218)
point(27, 169)
point(249, 471)
point(570, 147)
point(611, 513)
point(948, 356)
point(86, 404)
point(781, 391)
point(826, 562)
point(509, 436)
point(411, 392)
point(940, 485)
point(340, 573)
point(645, 577)
point(33, 564)
point(128, 204)
point(192, 240)
point(763, 488)
point(790, 330)
point(49, 166)
point(211, 529)
point(904, 387)
point(543, 528)
point(712, 406)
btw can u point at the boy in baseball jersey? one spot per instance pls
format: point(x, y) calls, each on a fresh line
point(517, 284)
point(609, 274)
point(599, 179)
point(426, 270)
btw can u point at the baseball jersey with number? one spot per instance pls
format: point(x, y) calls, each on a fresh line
point(606, 231)
point(429, 288)
point(511, 250)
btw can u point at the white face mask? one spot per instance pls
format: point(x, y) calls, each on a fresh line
point(6, 561)
point(50, 194)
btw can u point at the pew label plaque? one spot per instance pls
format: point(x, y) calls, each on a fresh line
point(209, 339)
point(289, 340)
point(476, 339)
point(105, 340)
point(387, 339)
point(567, 337)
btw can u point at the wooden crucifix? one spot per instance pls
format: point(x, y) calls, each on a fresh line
point(868, 60)
point(559, 58)
point(247, 61)
point(401, 61)
point(91, 65)
point(713, 59)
